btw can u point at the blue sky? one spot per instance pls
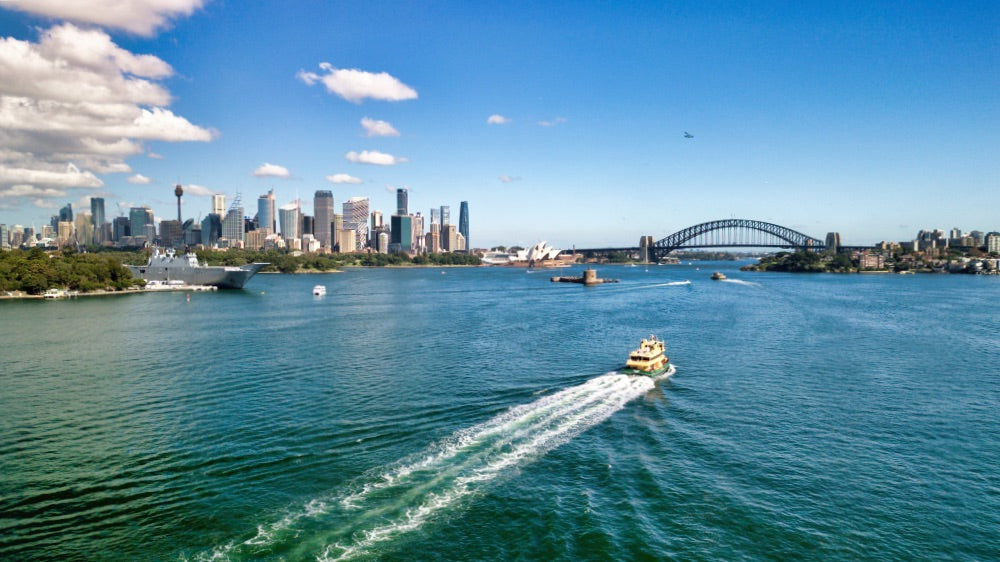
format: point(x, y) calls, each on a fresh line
point(872, 119)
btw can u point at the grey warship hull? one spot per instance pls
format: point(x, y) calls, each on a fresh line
point(169, 267)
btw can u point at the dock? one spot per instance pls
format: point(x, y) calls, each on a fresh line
point(588, 278)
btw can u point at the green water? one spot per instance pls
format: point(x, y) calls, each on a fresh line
point(474, 414)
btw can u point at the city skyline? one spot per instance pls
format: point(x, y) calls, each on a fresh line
point(581, 124)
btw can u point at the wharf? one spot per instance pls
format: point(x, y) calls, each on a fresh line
point(589, 277)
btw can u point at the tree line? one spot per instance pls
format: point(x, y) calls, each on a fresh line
point(34, 271)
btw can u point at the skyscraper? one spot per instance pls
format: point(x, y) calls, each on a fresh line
point(445, 215)
point(463, 222)
point(219, 204)
point(232, 224)
point(356, 219)
point(401, 201)
point(121, 228)
point(266, 211)
point(138, 218)
point(97, 217)
point(4, 237)
point(288, 216)
point(66, 213)
point(401, 233)
point(323, 211)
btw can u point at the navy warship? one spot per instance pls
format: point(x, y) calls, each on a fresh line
point(168, 266)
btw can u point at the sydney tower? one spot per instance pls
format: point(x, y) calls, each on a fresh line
point(178, 192)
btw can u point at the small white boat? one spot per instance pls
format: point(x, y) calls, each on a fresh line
point(319, 290)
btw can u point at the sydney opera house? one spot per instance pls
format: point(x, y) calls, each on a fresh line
point(539, 255)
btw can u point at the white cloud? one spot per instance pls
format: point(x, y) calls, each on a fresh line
point(355, 85)
point(199, 190)
point(552, 123)
point(142, 17)
point(378, 128)
point(509, 179)
point(373, 157)
point(154, 156)
point(342, 178)
point(271, 170)
point(140, 179)
point(496, 119)
point(23, 190)
point(75, 96)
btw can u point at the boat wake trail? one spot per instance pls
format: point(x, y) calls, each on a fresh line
point(404, 496)
point(741, 282)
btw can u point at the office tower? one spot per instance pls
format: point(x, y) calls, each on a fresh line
point(266, 211)
point(435, 216)
point(139, 217)
point(356, 219)
point(401, 233)
point(171, 233)
point(65, 232)
point(121, 228)
point(376, 220)
point(308, 226)
point(288, 218)
point(83, 229)
point(97, 218)
point(449, 238)
point(232, 224)
point(323, 213)
point(4, 237)
point(211, 229)
point(445, 217)
point(418, 233)
point(219, 204)
point(401, 202)
point(178, 191)
point(66, 213)
point(463, 222)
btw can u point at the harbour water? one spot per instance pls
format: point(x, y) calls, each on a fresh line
point(474, 413)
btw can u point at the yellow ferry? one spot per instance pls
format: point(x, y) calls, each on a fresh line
point(649, 360)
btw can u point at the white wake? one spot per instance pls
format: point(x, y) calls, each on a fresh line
point(404, 496)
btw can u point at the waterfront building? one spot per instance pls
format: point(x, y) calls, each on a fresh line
point(356, 219)
point(323, 213)
point(993, 242)
point(266, 205)
point(219, 204)
point(401, 202)
point(288, 219)
point(463, 221)
point(401, 234)
point(97, 219)
point(211, 230)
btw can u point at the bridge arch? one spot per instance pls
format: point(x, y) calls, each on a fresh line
point(746, 233)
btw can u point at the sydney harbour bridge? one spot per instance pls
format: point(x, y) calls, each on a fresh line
point(727, 233)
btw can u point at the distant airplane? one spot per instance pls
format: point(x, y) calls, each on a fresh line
point(688, 135)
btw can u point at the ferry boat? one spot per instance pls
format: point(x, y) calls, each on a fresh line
point(718, 276)
point(649, 360)
point(168, 267)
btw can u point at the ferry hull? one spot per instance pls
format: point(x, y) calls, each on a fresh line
point(662, 372)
